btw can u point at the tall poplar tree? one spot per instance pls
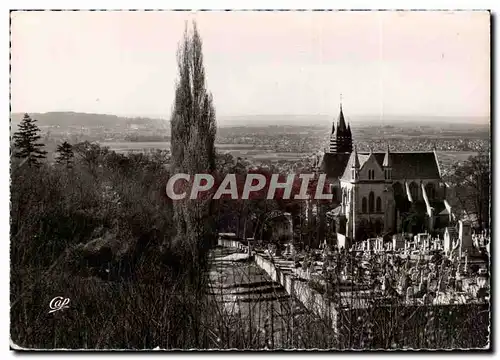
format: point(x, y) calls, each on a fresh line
point(193, 130)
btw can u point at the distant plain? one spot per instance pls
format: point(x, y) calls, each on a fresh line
point(256, 152)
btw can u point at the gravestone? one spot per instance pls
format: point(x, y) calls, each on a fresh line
point(410, 293)
point(404, 283)
point(398, 242)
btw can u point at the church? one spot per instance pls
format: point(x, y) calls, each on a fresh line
point(378, 193)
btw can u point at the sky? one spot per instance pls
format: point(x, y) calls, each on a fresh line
point(297, 63)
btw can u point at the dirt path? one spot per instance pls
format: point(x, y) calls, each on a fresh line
point(258, 306)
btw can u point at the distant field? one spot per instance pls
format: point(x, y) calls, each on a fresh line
point(241, 150)
point(446, 158)
point(134, 146)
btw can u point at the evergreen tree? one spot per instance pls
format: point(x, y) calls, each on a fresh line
point(26, 142)
point(65, 154)
point(193, 129)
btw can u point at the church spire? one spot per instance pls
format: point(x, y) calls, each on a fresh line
point(387, 165)
point(387, 158)
point(341, 127)
point(355, 164)
point(349, 138)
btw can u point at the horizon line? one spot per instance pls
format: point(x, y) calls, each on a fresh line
point(334, 115)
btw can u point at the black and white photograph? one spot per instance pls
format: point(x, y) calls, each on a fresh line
point(250, 180)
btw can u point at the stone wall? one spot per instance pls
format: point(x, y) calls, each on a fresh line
point(283, 273)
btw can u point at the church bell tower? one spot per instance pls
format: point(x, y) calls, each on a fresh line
point(341, 136)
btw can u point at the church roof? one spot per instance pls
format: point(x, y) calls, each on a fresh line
point(412, 165)
point(405, 165)
point(355, 160)
point(362, 159)
point(347, 173)
point(333, 164)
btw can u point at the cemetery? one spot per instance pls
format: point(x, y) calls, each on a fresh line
point(448, 277)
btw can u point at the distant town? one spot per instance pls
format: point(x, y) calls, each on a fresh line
point(269, 143)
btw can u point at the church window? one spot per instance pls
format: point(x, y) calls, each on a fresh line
point(379, 204)
point(363, 205)
point(371, 201)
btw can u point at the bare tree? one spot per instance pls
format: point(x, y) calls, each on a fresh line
point(471, 183)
